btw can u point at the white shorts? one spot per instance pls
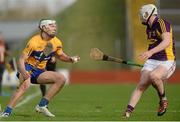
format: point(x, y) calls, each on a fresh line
point(151, 64)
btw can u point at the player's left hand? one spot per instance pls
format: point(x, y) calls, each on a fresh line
point(145, 55)
point(75, 59)
point(53, 59)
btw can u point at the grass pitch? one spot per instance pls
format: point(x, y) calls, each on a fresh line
point(98, 102)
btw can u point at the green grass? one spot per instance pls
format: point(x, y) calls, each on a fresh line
point(100, 102)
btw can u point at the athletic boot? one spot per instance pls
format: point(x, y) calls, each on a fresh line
point(128, 111)
point(126, 114)
point(44, 110)
point(163, 104)
point(4, 114)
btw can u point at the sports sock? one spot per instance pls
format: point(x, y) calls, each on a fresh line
point(43, 102)
point(129, 108)
point(43, 89)
point(8, 110)
point(162, 96)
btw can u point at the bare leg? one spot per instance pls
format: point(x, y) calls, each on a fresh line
point(19, 93)
point(156, 77)
point(16, 96)
point(56, 79)
point(141, 87)
point(136, 95)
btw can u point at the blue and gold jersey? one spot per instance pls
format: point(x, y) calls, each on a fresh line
point(35, 47)
point(154, 33)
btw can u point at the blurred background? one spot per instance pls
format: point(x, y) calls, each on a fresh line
point(111, 25)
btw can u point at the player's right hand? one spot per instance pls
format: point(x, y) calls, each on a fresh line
point(75, 59)
point(145, 55)
point(53, 59)
point(25, 75)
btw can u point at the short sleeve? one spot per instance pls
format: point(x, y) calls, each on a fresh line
point(59, 49)
point(163, 26)
point(29, 47)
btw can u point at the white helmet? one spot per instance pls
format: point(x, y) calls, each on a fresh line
point(46, 24)
point(146, 11)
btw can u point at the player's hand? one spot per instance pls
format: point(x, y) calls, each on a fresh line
point(25, 75)
point(53, 59)
point(75, 59)
point(145, 55)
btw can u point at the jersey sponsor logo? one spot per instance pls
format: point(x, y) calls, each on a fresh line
point(151, 34)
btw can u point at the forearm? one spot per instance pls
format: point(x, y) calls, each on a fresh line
point(65, 58)
point(163, 45)
point(21, 64)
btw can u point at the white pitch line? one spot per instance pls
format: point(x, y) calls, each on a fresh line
point(27, 99)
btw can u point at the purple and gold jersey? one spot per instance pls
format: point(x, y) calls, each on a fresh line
point(154, 37)
point(35, 47)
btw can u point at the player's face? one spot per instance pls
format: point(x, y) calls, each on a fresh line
point(51, 29)
point(143, 17)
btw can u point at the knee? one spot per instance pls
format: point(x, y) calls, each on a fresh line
point(141, 87)
point(154, 77)
point(61, 80)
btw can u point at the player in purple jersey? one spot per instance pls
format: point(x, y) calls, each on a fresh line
point(160, 58)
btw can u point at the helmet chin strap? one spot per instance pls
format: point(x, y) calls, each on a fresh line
point(146, 23)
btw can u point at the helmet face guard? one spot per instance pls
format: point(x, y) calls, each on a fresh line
point(146, 12)
point(45, 25)
point(146, 22)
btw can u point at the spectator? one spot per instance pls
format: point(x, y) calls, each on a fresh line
point(3, 53)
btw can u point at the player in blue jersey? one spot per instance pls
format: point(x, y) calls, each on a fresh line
point(32, 67)
point(160, 58)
